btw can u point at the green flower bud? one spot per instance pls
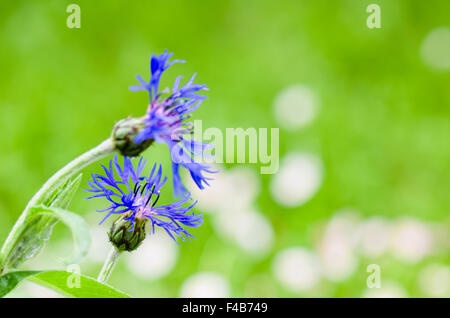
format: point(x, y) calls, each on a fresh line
point(123, 237)
point(124, 134)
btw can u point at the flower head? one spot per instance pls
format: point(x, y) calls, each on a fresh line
point(166, 121)
point(134, 198)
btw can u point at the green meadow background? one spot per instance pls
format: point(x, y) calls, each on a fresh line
point(381, 129)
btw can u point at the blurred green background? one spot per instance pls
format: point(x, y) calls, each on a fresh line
point(380, 131)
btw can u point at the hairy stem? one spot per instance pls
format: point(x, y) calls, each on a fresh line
point(73, 167)
point(109, 265)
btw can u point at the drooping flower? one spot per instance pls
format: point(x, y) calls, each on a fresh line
point(166, 122)
point(133, 197)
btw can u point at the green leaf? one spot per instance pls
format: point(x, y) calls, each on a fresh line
point(30, 236)
point(9, 281)
point(79, 228)
point(66, 283)
point(62, 196)
point(30, 240)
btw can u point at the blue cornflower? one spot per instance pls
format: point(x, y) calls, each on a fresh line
point(134, 198)
point(158, 64)
point(165, 122)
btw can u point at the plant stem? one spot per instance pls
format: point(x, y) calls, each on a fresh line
point(73, 167)
point(109, 265)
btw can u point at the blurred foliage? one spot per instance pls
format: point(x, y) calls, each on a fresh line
point(382, 132)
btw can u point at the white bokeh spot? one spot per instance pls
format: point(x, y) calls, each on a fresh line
point(434, 280)
point(373, 237)
point(296, 106)
point(248, 229)
point(298, 179)
point(411, 240)
point(235, 189)
point(297, 269)
point(336, 247)
point(155, 258)
point(205, 285)
point(389, 289)
point(435, 49)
